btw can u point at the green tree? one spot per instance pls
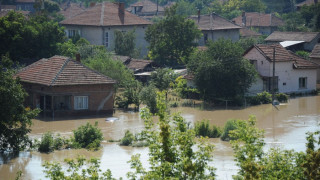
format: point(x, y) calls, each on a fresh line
point(172, 39)
point(148, 97)
point(221, 71)
point(15, 118)
point(125, 43)
point(162, 78)
point(171, 149)
point(88, 136)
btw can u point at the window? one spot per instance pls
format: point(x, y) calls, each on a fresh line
point(72, 33)
point(80, 102)
point(205, 38)
point(107, 39)
point(302, 82)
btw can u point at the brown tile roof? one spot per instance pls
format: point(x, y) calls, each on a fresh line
point(306, 2)
point(315, 52)
point(70, 10)
point(213, 22)
point(282, 55)
point(254, 19)
point(148, 6)
point(246, 32)
point(25, 1)
point(138, 64)
point(24, 13)
point(105, 14)
point(60, 70)
point(122, 59)
point(292, 36)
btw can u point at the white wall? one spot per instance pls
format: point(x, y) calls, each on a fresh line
point(232, 34)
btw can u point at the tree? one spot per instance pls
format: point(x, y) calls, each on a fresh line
point(171, 151)
point(148, 96)
point(172, 39)
point(125, 43)
point(221, 71)
point(15, 119)
point(162, 78)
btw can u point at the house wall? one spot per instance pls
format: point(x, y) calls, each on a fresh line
point(256, 87)
point(97, 35)
point(232, 34)
point(317, 61)
point(263, 65)
point(265, 30)
point(100, 96)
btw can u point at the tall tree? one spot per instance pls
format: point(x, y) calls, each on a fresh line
point(15, 119)
point(221, 71)
point(124, 43)
point(172, 39)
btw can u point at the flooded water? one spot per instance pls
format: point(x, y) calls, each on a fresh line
point(284, 128)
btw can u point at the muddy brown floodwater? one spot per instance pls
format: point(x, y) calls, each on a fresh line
point(284, 128)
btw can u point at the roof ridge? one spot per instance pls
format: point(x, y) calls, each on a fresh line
point(61, 69)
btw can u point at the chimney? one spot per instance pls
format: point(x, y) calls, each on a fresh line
point(78, 58)
point(92, 4)
point(244, 19)
point(198, 15)
point(121, 12)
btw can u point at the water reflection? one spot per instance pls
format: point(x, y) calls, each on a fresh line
point(284, 128)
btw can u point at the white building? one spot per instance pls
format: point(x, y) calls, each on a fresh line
point(293, 74)
point(98, 23)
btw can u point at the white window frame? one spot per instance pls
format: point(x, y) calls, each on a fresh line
point(303, 82)
point(81, 102)
point(107, 39)
point(73, 32)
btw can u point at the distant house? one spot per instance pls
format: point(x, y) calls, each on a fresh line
point(248, 33)
point(293, 74)
point(61, 86)
point(315, 57)
point(215, 27)
point(25, 5)
point(306, 3)
point(146, 8)
point(296, 40)
point(264, 23)
point(136, 65)
point(98, 23)
point(70, 9)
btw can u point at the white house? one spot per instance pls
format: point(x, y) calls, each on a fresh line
point(293, 74)
point(98, 23)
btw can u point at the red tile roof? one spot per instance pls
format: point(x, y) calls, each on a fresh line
point(105, 14)
point(282, 55)
point(60, 70)
point(254, 19)
point(278, 36)
point(148, 6)
point(213, 22)
point(70, 10)
point(315, 52)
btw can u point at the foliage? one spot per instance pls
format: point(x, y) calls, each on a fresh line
point(221, 71)
point(125, 43)
point(203, 129)
point(162, 78)
point(35, 37)
point(261, 98)
point(148, 96)
point(79, 168)
point(244, 5)
point(246, 43)
point(304, 54)
point(230, 125)
point(172, 39)
point(130, 95)
point(312, 158)
point(281, 97)
point(171, 149)
point(46, 143)
point(88, 136)
point(127, 139)
point(293, 22)
point(15, 119)
point(180, 86)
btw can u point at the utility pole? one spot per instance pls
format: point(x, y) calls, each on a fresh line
point(273, 73)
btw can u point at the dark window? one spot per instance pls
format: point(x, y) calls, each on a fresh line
point(302, 82)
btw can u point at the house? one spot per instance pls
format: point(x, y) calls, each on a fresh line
point(293, 74)
point(264, 23)
point(295, 40)
point(25, 5)
point(70, 9)
point(98, 23)
point(315, 57)
point(136, 65)
point(61, 86)
point(249, 33)
point(146, 8)
point(215, 27)
point(306, 3)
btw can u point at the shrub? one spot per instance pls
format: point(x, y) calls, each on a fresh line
point(203, 129)
point(229, 126)
point(265, 97)
point(58, 142)
point(127, 139)
point(46, 143)
point(282, 97)
point(88, 136)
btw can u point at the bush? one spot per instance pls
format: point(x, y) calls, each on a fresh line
point(229, 126)
point(127, 139)
point(58, 142)
point(203, 129)
point(88, 136)
point(46, 143)
point(282, 97)
point(261, 98)
point(148, 96)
